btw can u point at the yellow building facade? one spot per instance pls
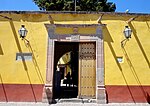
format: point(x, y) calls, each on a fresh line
point(105, 70)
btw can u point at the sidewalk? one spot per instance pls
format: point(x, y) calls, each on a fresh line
point(70, 104)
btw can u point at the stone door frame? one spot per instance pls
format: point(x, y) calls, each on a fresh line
point(75, 37)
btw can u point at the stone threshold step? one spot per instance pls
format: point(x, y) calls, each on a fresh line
point(75, 100)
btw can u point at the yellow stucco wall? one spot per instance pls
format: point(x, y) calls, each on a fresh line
point(18, 72)
point(134, 70)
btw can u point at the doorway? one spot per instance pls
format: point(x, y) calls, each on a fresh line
point(65, 82)
point(74, 70)
point(57, 38)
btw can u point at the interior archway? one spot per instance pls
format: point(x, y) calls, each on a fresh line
point(65, 70)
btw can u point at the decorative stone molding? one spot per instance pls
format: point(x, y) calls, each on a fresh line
point(97, 37)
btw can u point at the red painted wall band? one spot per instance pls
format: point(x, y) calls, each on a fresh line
point(127, 94)
point(21, 92)
point(33, 93)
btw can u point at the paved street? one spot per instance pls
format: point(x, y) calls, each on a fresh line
point(70, 104)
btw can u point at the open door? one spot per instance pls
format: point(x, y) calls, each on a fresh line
point(87, 70)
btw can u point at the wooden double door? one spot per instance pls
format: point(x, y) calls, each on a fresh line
point(87, 70)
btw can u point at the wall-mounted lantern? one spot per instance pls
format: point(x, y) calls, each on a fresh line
point(22, 31)
point(127, 33)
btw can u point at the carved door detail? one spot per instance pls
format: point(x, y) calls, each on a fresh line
point(87, 70)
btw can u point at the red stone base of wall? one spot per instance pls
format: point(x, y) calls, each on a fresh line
point(126, 94)
point(33, 93)
point(21, 92)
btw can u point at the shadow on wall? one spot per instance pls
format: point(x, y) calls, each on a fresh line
point(139, 43)
point(148, 97)
point(11, 87)
point(143, 91)
point(3, 95)
point(30, 49)
point(1, 50)
point(145, 94)
point(20, 92)
point(148, 25)
point(23, 60)
point(109, 40)
point(33, 92)
point(34, 61)
point(17, 42)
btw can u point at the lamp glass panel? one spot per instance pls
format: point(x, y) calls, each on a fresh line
point(127, 32)
point(22, 32)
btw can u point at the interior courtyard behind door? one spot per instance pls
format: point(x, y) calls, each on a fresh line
point(74, 70)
